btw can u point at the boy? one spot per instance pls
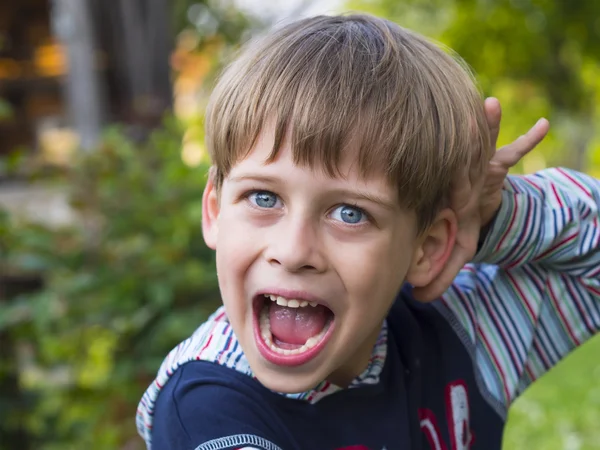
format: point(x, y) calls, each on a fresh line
point(347, 185)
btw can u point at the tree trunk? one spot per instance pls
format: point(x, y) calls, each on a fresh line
point(72, 25)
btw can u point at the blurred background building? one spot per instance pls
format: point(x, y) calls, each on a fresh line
point(68, 67)
point(31, 66)
point(72, 66)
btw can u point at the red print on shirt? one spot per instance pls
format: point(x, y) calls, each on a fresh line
point(457, 416)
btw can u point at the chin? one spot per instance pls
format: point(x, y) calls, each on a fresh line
point(287, 383)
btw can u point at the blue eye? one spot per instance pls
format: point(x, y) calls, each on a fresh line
point(348, 214)
point(264, 199)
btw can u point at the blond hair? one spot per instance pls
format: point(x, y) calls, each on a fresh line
point(409, 109)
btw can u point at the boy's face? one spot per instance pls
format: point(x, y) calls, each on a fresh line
point(308, 265)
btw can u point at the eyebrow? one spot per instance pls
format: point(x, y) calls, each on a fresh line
point(358, 194)
point(368, 196)
point(263, 178)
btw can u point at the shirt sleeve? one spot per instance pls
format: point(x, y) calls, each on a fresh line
point(532, 295)
point(196, 412)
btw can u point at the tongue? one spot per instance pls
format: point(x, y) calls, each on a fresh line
point(296, 325)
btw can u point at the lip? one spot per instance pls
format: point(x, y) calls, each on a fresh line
point(277, 358)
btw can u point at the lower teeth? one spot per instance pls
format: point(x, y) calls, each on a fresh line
point(265, 331)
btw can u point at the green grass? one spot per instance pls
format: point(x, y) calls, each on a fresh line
point(561, 411)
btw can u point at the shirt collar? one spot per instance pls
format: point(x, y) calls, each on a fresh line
point(370, 376)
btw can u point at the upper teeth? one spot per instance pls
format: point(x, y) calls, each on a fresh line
point(291, 303)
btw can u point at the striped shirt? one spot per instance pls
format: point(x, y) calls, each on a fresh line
point(533, 293)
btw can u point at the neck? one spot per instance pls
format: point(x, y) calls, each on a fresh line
point(357, 364)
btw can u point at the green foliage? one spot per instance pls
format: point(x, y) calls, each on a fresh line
point(123, 285)
point(211, 18)
point(562, 410)
point(539, 57)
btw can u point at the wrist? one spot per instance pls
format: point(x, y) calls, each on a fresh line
point(490, 209)
point(494, 229)
point(487, 225)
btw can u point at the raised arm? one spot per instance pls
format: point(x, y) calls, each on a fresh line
point(533, 293)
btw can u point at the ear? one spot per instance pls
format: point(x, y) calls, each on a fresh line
point(434, 247)
point(210, 212)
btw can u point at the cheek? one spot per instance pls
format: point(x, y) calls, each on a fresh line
point(237, 250)
point(377, 273)
point(237, 247)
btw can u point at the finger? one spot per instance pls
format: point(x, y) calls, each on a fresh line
point(493, 114)
point(510, 154)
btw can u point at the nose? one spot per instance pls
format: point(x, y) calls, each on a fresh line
point(296, 246)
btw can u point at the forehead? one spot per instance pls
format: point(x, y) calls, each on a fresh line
point(263, 158)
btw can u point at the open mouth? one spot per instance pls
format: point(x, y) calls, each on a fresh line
point(290, 331)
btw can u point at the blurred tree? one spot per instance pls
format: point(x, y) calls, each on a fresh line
point(72, 23)
point(121, 286)
point(541, 57)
